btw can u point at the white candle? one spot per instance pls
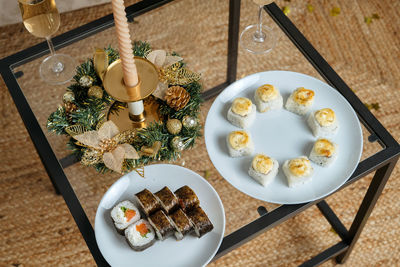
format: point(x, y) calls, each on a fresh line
point(124, 43)
point(136, 108)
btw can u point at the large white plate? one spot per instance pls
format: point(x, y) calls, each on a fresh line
point(191, 251)
point(283, 135)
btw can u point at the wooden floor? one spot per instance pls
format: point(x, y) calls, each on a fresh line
point(36, 228)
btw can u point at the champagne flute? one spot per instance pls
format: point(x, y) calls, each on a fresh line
point(41, 19)
point(258, 38)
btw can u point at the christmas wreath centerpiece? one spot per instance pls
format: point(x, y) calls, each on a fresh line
point(97, 142)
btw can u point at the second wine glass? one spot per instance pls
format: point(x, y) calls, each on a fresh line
point(258, 38)
point(41, 19)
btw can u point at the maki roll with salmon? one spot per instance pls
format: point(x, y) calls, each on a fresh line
point(161, 224)
point(187, 198)
point(124, 214)
point(181, 223)
point(147, 202)
point(167, 199)
point(200, 221)
point(140, 235)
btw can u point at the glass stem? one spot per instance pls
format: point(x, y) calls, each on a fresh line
point(57, 65)
point(259, 36)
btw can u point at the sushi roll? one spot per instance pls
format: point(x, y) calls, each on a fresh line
point(181, 223)
point(324, 152)
point(323, 122)
point(298, 171)
point(124, 214)
point(300, 101)
point(200, 221)
point(239, 144)
point(167, 199)
point(263, 169)
point(187, 198)
point(161, 224)
point(147, 202)
point(140, 235)
point(267, 97)
point(242, 113)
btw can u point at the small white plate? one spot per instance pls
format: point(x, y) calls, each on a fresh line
point(283, 135)
point(191, 251)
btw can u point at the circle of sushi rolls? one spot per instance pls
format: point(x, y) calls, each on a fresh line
point(167, 199)
point(187, 198)
point(200, 221)
point(239, 144)
point(147, 202)
point(300, 101)
point(161, 224)
point(181, 223)
point(267, 97)
point(324, 152)
point(298, 171)
point(323, 122)
point(263, 169)
point(242, 112)
point(140, 235)
point(124, 214)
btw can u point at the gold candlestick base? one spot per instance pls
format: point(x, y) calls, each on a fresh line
point(113, 82)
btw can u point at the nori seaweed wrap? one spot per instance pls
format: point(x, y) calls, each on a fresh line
point(200, 221)
point(181, 222)
point(161, 224)
point(167, 199)
point(148, 202)
point(187, 198)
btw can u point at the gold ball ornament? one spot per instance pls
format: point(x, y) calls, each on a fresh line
point(189, 122)
point(177, 143)
point(174, 126)
point(86, 81)
point(68, 97)
point(95, 91)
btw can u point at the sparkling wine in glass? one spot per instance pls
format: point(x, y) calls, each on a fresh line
point(41, 19)
point(258, 38)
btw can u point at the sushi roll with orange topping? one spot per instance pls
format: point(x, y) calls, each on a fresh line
point(124, 214)
point(323, 122)
point(242, 113)
point(263, 169)
point(298, 171)
point(267, 97)
point(300, 101)
point(140, 235)
point(324, 152)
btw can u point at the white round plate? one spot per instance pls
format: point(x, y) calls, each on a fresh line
point(191, 251)
point(283, 135)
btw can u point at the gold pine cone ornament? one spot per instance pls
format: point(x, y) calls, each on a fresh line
point(177, 97)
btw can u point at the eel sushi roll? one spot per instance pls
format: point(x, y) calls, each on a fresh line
point(201, 224)
point(147, 202)
point(161, 224)
point(187, 198)
point(181, 223)
point(140, 235)
point(167, 199)
point(124, 214)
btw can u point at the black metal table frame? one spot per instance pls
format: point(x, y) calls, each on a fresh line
point(382, 162)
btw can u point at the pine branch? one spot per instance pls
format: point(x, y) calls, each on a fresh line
point(141, 49)
point(57, 121)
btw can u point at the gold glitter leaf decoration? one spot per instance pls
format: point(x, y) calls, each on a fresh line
point(372, 106)
point(286, 10)
point(140, 171)
point(310, 8)
point(76, 129)
point(176, 74)
point(335, 11)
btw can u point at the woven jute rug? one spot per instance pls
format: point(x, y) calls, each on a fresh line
point(36, 228)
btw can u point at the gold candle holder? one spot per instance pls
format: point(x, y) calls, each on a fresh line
point(113, 82)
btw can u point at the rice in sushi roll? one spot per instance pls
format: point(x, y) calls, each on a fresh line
point(124, 214)
point(167, 199)
point(300, 101)
point(267, 97)
point(140, 235)
point(324, 152)
point(263, 169)
point(161, 224)
point(200, 221)
point(323, 122)
point(147, 202)
point(181, 223)
point(187, 198)
point(298, 171)
point(242, 113)
point(239, 144)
